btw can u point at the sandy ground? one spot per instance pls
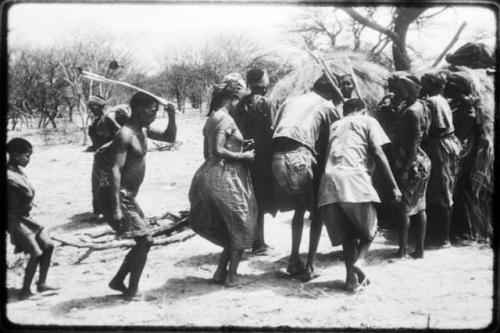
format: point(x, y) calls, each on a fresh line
point(450, 288)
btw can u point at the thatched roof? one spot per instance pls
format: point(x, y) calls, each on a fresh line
point(372, 78)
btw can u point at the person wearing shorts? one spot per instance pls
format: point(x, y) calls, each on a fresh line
point(346, 197)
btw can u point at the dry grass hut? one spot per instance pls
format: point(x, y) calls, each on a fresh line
point(372, 78)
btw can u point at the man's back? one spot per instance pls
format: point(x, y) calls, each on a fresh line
point(302, 119)
point(349, 163)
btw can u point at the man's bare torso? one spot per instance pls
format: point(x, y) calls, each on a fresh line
point(134, 169)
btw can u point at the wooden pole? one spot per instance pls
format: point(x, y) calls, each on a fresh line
point(450, 45)
point(327, 72)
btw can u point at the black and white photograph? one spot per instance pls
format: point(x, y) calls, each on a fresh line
point(247, 165)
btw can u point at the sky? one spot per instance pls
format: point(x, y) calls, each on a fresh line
point(155, 29)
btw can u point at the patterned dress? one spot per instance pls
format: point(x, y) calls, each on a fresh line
point(443, 149)
point(414, 187)
point(223, 204)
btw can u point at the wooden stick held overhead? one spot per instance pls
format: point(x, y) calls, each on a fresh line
point(100, 78)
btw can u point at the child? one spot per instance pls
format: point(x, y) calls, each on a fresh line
point(26, 235)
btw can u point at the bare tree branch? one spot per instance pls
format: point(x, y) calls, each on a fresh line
point(372, 24)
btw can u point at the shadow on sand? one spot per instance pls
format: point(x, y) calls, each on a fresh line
point(81, 221)
point(106, 301)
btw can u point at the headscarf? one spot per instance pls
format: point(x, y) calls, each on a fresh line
point(464, 81)
point(233, 84)
point(257, 78)
point(97, 100)
point(436, 79)
point(409, 83)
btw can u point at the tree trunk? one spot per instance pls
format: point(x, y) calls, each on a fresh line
point(403, 18)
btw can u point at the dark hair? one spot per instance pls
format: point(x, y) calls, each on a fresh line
point(323, 84)
point(254, 75)
point(219, 96)
point(18, 146)
point(140, 98)
point(352, 105)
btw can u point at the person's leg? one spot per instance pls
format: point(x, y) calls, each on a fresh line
point(48, 249)
point(234, 261)
point(259, 245)
point(314, 235)
point(29, 273)
point(117, 283)
point(349, 249)
point(420, 219)
point(221, 272)
point(137, 263)
point(445, 213)
point(404, 226)
point(295, 266)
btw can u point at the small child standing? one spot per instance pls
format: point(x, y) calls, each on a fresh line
point(26, 235)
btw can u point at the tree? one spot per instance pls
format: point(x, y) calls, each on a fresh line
point(397, 30)
point(94, 54)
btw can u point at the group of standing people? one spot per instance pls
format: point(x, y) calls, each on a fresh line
point(317, 152)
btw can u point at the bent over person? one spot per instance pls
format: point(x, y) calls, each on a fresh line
point(120, 169)
point(223, 205)
point(299, 144)
point(346, 195)
point(26, 235)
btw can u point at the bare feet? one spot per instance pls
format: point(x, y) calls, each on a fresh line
point(417, 254)
point(41, 287)
point(25, 294)
point(118, 286)
point(308, 274)
point(295, 267)
point(233, 281)
point(402, 253)
point(260, 249)
point(362, 278)
point(219, 276)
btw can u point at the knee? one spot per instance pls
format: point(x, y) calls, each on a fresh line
point(145, 242)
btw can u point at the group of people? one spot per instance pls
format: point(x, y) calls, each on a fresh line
point(323, 152)
point(320, 152)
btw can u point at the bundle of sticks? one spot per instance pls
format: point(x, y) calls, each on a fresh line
point(166, 229)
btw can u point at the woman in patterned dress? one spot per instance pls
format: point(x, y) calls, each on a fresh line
point(223, 204)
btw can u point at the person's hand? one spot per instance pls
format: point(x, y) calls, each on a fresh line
point(403, 176)
point(118, 215)
point(170, 108)
point(248, 144)
point(396, 194)
point(248, 155)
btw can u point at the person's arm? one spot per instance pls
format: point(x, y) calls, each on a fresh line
point(383, 164)
point(170, 134)
point(119, 149)
point(222, 152)
point(411, 148)
point(205, 147)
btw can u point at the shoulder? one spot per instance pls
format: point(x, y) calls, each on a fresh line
point(124, 135)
